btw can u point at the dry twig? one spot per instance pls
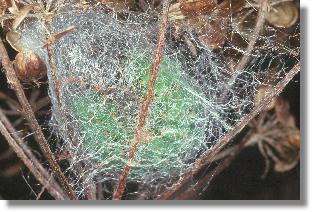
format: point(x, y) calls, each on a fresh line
point(146, 103)
point(31, 162)
point(264, 4)
point(18, 88)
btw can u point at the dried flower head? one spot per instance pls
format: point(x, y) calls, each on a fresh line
point(277, 137)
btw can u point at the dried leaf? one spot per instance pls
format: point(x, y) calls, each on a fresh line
point(213, 35)
point(191, 8)
point(13, 8)
point(206, 18)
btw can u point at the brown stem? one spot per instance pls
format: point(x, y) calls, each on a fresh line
point(56, 83)
point(186, 180)
point(55, 80)
point(254, 37)
point(29, 115)
point(31, 162)
point(146, 103)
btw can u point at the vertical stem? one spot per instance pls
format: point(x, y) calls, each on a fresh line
point(56, 84)
point(146, 103)
point(30, 116)
point(254, 37)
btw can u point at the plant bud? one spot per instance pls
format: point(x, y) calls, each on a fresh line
point(29, 67)
point(262, 92)
point(283, 15)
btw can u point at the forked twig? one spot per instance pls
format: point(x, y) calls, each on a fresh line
point(146, 103)
point(31, 162)
point(29, 115)
point(186, 180)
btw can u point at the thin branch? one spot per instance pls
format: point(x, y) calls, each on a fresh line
point(146, 103)
point(18, 88)
point(254, 37)
point(41, 192)
point(30, 161)
point(210, 154)
point(56, 83)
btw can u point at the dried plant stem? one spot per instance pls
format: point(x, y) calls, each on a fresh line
point(186, 180)
point(29, 115)
point(57, 86)
point(264, 4)
point(146, 103)
point(55, 79)
point(31, 162)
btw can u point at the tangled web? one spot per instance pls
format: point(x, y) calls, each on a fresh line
point(98, 79)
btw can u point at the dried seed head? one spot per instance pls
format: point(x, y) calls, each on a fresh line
point(288, 147)
point(262, 92)
point(29, 67)
point(283, 15)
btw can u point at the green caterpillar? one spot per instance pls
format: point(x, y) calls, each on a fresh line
point(173, 133)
